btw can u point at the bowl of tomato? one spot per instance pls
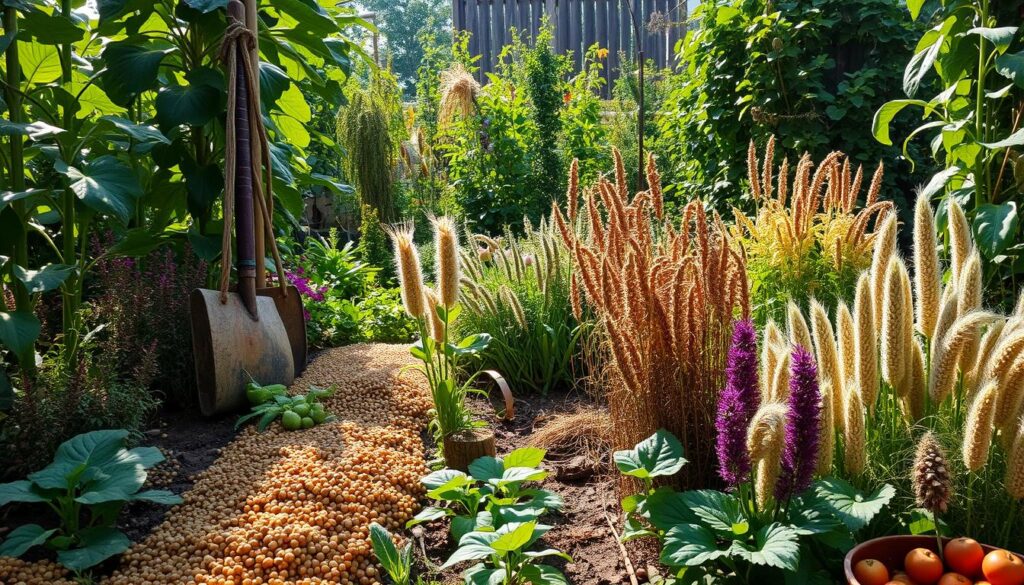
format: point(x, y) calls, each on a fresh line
point(914, 560)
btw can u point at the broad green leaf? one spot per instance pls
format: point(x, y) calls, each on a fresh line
point(856, 510)
point(661, 454)
point(49, 277)
point(97, 544)
point(131, 69)
point(19, 491)
point(524, 457)
point(775, 545)
point(39, 63)
point(106, 185)
point(486, 468)
point(1015, 139)
point(518, 474)
point(545, 574)
point(273, 82)
point(439, 478)
point(513, 537)
point(387, 553)
point(544, 498)
point(472, 547)
point(1000, 37)
point(667, 508)
point(193, 105)
point(481, 574)
point(95, 448)
point(23, 538)
point(35, 130)
point(938, 181)
point(690, 545)
point(164, 497)
point(140, 133)
point(721, 512)
point(428, 514)
point(914, 6)
point(884, 116)
point(205, 6)
point(49, 29)
point(293, 103)
point(18, 332)
point(1011, 66)
point(995, 227)
point(921, 63)
point(291, 130)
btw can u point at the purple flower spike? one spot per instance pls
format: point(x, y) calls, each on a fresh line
point(800, 453)
point(737, 405)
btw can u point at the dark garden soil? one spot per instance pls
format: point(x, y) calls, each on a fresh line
point(591, 498)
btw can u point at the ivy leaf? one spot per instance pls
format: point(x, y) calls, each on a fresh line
point(690, 545)
point(106, 185)
point(661, 454)
point(775, 545)
point(995, 227)
point(849, 505)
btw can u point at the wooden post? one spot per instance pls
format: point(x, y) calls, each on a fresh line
point(463, 448)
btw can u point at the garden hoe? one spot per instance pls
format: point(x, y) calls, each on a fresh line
point(240, 335)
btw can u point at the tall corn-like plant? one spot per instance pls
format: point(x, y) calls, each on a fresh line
point(665, 295)
point(516, 290)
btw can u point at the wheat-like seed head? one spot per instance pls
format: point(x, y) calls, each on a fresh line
point(1015, 464)
point(752, 177)
point(510, 299)
point(771, 338)
point(410, 274)
point(1018, 309)
point(446, 239)
point(854, 432)
point(780, 378)
point(970, 300)
point(1011, 394)
point(876, 185)
point(799, 334)
point(654, 184)
point(825, 344)
point(866, 353)
point(893, 345)
point(432, 302)
point(846, 342)
point(766, 171)
point(927, 280)
point(572, 193)
point(827, 429)
point(885, 250)
point(978, 433)
point(459, 91)
point(959, 238)
point(998, 351)
point(765, 439)
point(943, 368)
point(947, 316)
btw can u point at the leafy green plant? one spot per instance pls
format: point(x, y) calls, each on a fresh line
point(516, 291)
point(381, 318)
point(495, 517)
point(302, 411)
point(364, 130)
point(707, 534)
point(396, 563)
point(974, 121)
point(491, 495)
point(90, 480)
point(809, 71)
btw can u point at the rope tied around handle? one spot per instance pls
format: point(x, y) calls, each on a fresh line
point(238, 41)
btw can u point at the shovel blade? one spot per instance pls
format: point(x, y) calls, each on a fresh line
point(230, 346)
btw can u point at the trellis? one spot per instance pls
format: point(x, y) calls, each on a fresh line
point(578, 24)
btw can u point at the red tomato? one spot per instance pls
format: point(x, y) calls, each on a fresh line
point(1003, 568)
point(923, 566)
point(964, 556)
point(871, 572)
point(954, 579)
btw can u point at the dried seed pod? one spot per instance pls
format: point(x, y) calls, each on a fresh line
point(933, 487)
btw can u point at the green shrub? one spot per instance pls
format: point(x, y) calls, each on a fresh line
point(811, 72)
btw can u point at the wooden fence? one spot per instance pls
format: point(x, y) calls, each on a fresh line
point(578, 24)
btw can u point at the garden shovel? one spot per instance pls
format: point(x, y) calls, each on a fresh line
point(238, 336)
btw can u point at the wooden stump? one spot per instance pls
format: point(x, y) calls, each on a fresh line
point(464, 447)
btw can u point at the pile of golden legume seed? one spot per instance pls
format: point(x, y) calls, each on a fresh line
point(294, 507)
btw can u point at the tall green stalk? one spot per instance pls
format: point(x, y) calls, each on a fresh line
point(16, 171)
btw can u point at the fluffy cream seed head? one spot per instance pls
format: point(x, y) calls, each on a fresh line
point(446, 238)
point(978, 433)
point(854, 434)
point(410, 275)
point(893, 349)
point(885, 250)
point(927, 280)
point(799, 334)
point(866, 353)
point(959, 238)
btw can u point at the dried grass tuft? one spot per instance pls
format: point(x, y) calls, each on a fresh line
point(587, 432)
